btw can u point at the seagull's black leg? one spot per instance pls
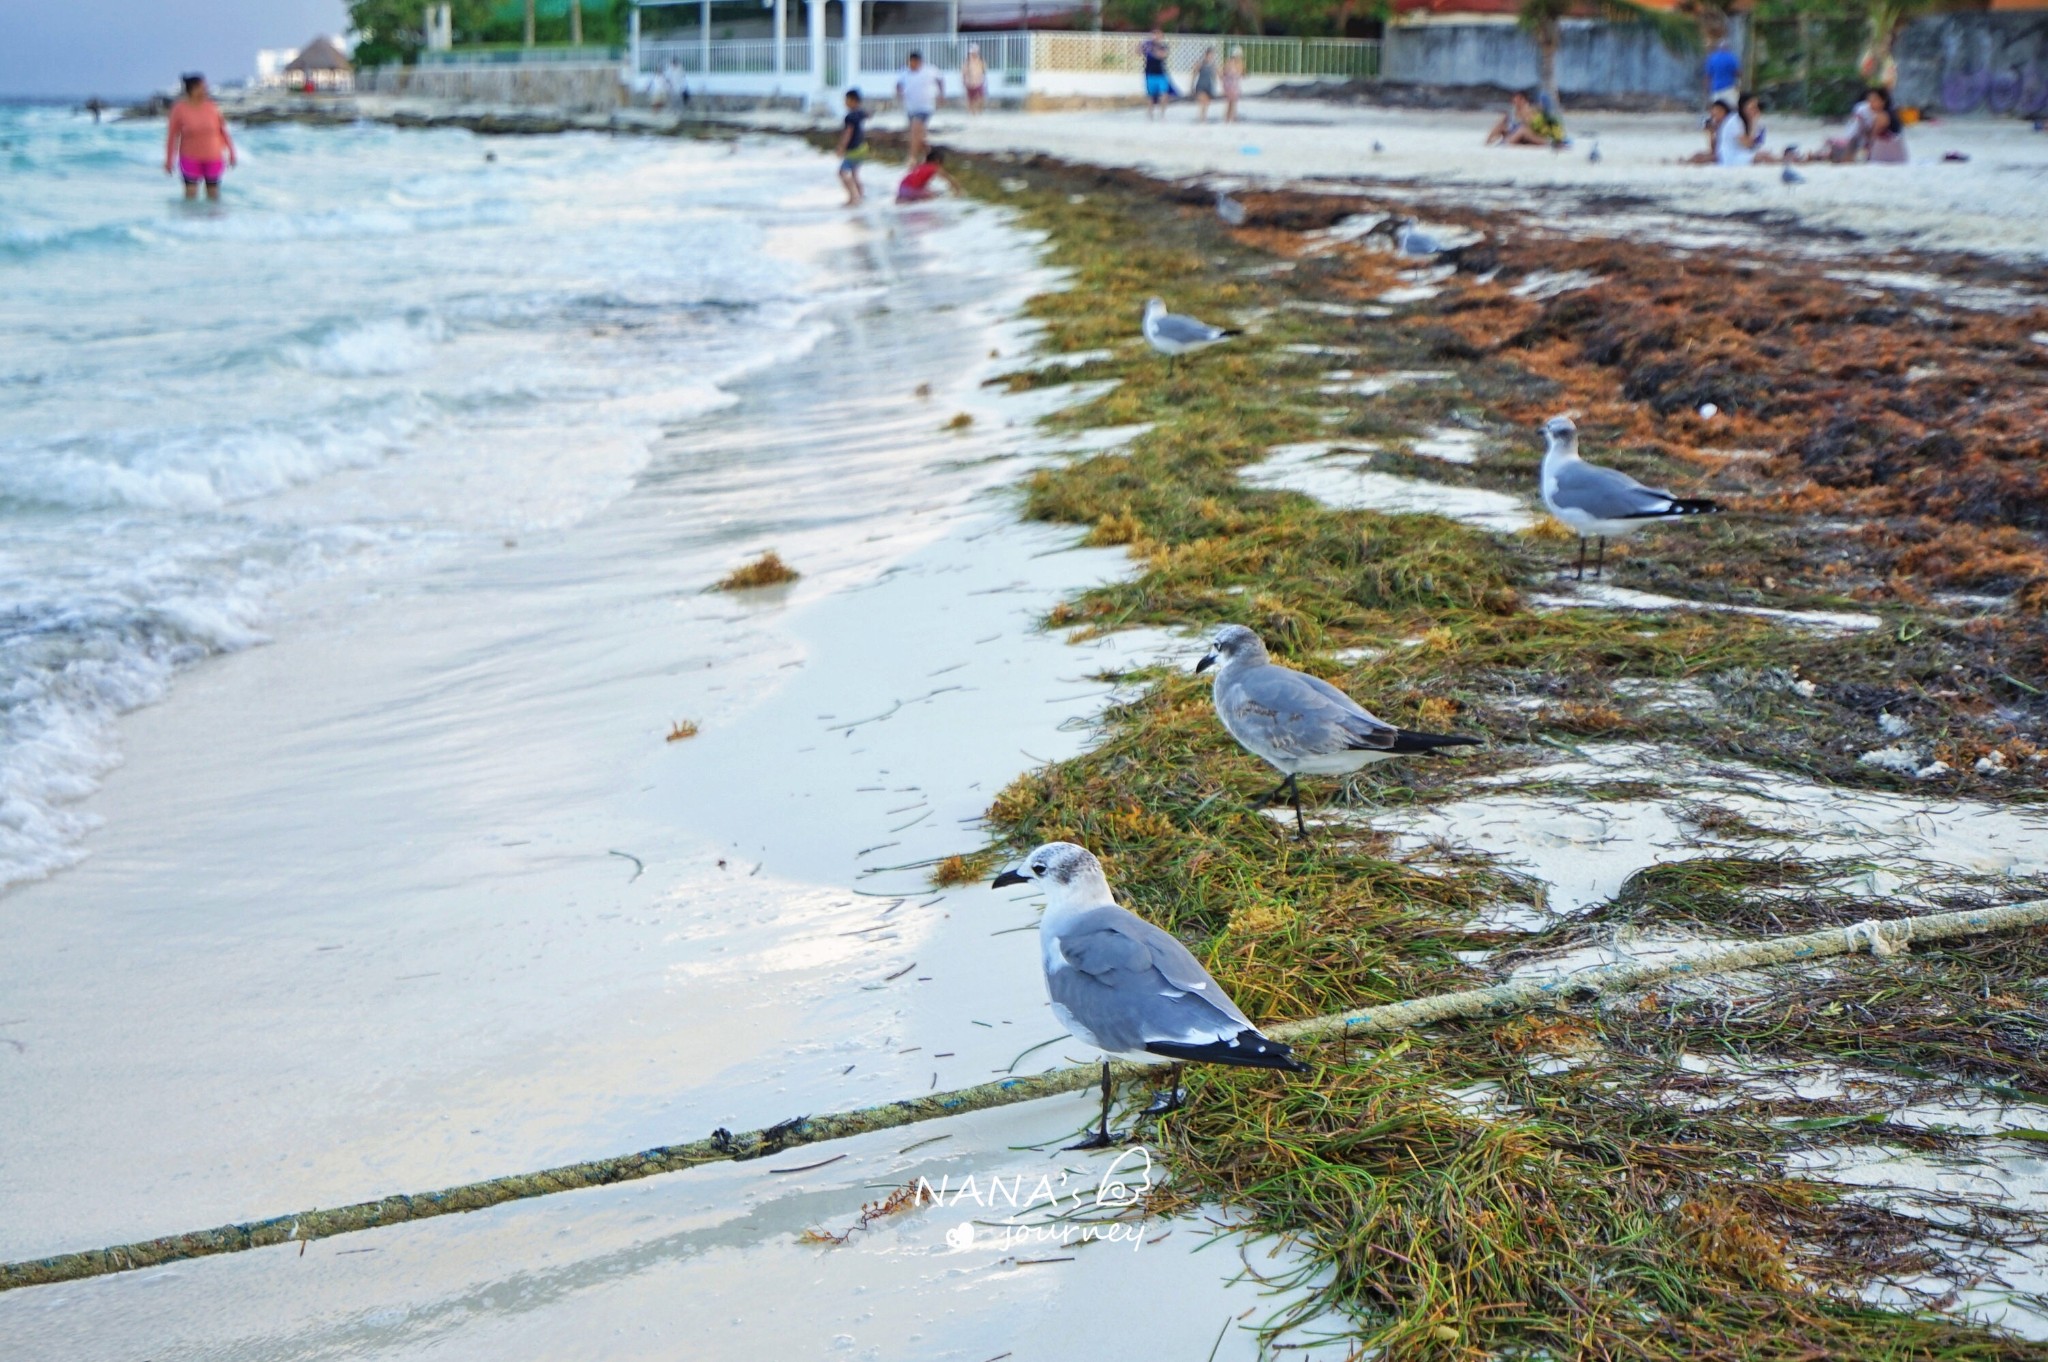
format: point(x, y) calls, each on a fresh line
point(1600, 562)
point(1299, 826)
point(1582, 558)
point(1273, 793)
point(1172, 1097)
point(1103, 1137)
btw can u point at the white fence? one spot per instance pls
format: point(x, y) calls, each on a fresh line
point(1040, 62)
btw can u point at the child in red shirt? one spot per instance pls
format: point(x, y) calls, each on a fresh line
point(917, 184)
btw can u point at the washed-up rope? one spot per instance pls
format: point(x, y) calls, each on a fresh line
point(1880, 938)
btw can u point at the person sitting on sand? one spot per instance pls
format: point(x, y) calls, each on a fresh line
point(1857, 135)
point(917, 185)
point(853, 147)
point(1526, 125)
point(1750, 109)
point(1738, 132)
point(1887, 135)
point(197, 139)
point(1718, 117)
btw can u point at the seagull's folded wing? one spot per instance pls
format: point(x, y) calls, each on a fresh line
point(1607, 493)
point(1120, 949)
point(1299, 715)
point(1186, 330)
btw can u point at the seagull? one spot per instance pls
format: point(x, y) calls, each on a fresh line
point(1124, 986)
point(1378, 146)
point(1601, 501)
point(1173, 335)
point(1791, 177)
point(1300, 724)
point(1594, 154)
point(1229, 209)
point(1407, 239)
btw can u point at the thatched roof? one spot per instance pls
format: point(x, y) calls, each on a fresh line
point(319, 55)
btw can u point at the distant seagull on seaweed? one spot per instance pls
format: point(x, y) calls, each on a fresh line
point(1298, 724)
point(1127, 988)
point(1173, 335)
point(1602, 502)
point(1791, 177)
point(1407, 238)
point(1229, 209)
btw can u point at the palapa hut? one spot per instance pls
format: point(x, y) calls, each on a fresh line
point(320, 65)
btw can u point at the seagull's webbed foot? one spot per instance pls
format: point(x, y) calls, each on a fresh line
point(1166, 1100)
point(1100, 1139)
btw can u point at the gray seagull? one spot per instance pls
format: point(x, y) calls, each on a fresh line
point(1298, 724)
point(1602, 502)
point(1230, 210)
point(1127, 988)
point(1173, 335)
point(1408, 239)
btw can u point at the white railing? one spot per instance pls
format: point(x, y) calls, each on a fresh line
point(1011, 57)
point(1007, 55)
point(1111, 52)
point(750, 56)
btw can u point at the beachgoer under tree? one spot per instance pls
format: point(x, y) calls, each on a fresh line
point(1526, 125)
point(197, 140)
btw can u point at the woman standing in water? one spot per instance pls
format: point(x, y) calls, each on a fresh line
point(1233, 83)
point(197, 140)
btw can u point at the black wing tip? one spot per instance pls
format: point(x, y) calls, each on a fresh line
point(1409, 741)
point(1233, 331)
point(1249, 1051)
point(1695, 506)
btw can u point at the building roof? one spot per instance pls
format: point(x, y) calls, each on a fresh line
point(319, 55)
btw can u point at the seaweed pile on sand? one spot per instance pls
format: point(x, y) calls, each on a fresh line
point(1657, 1177)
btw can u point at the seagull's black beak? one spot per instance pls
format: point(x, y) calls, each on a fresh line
point(1206, 663)
point(1007, 878)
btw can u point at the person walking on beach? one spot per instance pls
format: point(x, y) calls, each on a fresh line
point(1233, 83)
point(974, 79)
point(93, 106)
point(919, 90)
point(853, 147)
point(1158, 85)
point(1204, 82)
point(197, 140)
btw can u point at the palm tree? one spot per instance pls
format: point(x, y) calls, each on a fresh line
point(529, 23)
point(576, 23)
point(1541, 18)
point(1886, 19)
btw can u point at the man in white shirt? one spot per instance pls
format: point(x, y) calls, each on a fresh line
point(918, 90)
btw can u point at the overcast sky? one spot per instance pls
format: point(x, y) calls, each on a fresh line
point(130, 47)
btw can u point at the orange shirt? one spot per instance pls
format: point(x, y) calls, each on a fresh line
point(197, 131)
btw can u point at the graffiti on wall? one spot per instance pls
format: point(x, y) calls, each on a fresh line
point(2008, 76)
